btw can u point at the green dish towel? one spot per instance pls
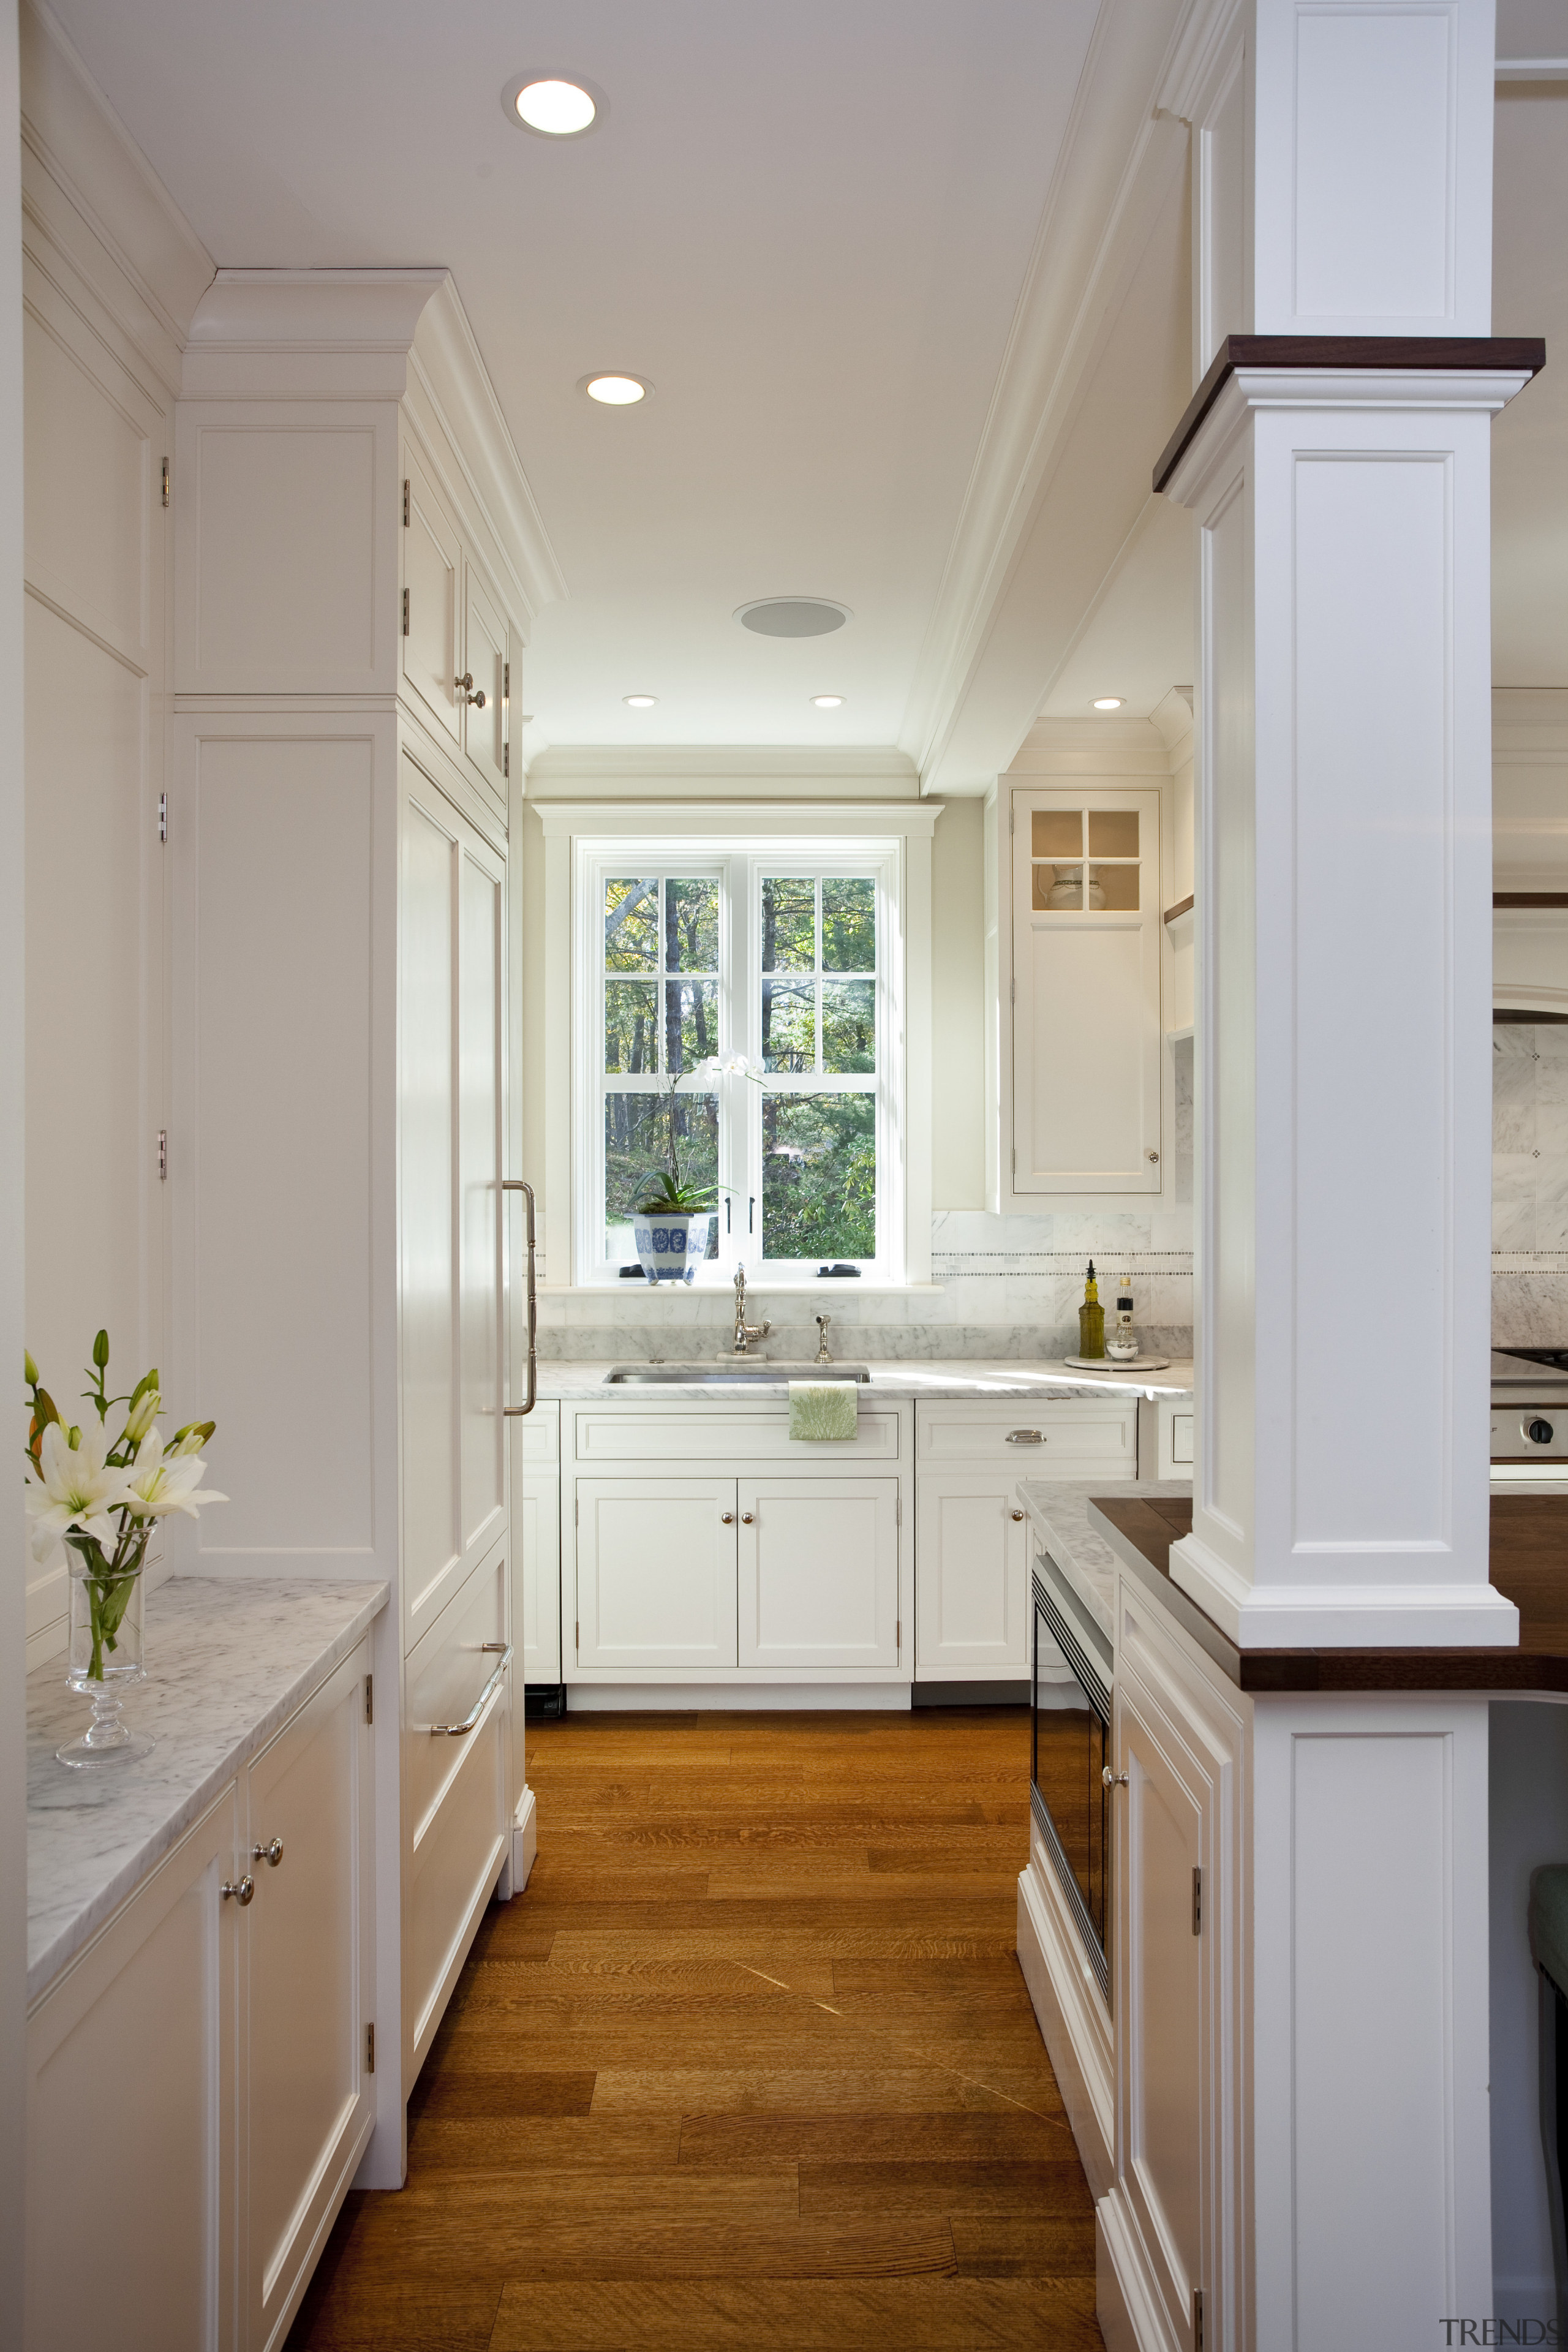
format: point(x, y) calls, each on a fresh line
point(823, 1409)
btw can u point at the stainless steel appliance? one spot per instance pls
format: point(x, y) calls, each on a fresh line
point(1070, 1782)
point(1530, 1416)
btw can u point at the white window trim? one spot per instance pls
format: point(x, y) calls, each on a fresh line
point(898, 837)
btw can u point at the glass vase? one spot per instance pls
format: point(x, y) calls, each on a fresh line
point(106, 1602)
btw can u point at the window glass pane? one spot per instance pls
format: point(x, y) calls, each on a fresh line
point(691, 926)
point(1056, 832)
point(849, 1026)
point(1118, 885)
point(789, 925)
point(849, 925)
point(1058, 886)
point(789, 1024)
point(630, 1039)
point(1113, 833)
point(636, 1145)
point(631, 926)
point(819, 1176)
point(691, 1022)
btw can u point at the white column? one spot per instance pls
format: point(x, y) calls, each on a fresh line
point(1345, 882)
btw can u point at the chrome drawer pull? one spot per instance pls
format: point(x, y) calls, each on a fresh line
point(1027, 1437)
point(461, 1730)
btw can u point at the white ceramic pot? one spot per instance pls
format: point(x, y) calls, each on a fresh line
point(671, 1243)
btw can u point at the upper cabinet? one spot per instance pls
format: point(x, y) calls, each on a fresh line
point(1087, 1055)
point(432, 598)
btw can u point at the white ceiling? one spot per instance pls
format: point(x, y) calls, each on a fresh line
point(807, 224)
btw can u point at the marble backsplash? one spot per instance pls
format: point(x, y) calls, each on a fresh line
point(1530, 1183)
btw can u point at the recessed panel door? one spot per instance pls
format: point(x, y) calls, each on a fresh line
point(972, 1572)
point(485, 660)
point(819, 1572)
point(310, 2090)
point(431, 568)
point(655, 1572)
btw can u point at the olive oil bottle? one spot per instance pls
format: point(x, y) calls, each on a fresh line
point(1091, 1320)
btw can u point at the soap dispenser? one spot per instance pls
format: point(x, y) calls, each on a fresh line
point(1091, 1321)
point(1122, 1346)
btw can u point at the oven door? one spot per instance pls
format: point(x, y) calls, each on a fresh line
point(1068, 1796)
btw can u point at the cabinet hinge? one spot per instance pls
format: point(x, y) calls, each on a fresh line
point(577, 1637)
point(1011, 820)
point(405, 501)
point(1015, 1159)
point(506, 681)
point(163, 1155)
point(405, 612)
point(369, 1699)
point(1197, 1901)
point(370, 2049)
point(1197, 2319)
point(1012, 992)
point(162, 816)
point(166, 481)
point(506, 759)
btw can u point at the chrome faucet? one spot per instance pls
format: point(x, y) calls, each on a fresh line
point(744, 1331)
point(823, 1357)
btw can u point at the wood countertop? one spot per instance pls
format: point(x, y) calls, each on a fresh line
point(1529, 1566)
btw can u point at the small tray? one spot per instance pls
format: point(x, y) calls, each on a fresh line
point(1110, 1363)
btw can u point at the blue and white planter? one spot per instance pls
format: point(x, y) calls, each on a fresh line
point(671, 1243)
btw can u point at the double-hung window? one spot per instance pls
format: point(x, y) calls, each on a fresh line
point(741, 1027)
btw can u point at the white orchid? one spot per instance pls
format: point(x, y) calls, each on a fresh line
point(76, 1489)
point(159, 1484)
point(730, 1066)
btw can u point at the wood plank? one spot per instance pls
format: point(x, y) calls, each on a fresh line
point(958, 2138)
point(989, 2247)
point(840, 2315)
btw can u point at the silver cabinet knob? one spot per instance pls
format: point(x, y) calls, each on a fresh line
point(1152, 1155)
point(1112, 1779)
point(1017, 1514)
point(466, 684)
point(746, 1518)
point(272, 1853)
point(242, 1890)
point(728, 1517)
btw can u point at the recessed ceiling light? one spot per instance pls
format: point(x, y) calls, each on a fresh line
point(827, 702)
point(1109, 702)
point(792, 616)
point(640, 701)
point(615, 391)
point(555, 105)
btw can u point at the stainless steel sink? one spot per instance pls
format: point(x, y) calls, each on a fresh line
point(729, 1372)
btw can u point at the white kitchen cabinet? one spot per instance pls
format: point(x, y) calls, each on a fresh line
point(133, 2147)
point(432, 591)
point(536, 1537)
point(818, 1583)
point(1084, 998)
point(655, 1572)
point(487, 660)
point(971, 1573)
point(309, 1989)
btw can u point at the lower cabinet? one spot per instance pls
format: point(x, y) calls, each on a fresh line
point(655, 1572)
point(971, 1607)
point(818, 1572)
point(198, 2092)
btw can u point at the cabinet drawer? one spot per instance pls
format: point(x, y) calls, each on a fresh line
point(701, 1431)
point(1054, 1438)
point(448, 1673)
point(459, 1850)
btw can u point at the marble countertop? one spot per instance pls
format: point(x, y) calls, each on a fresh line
point(228, 1660)
point(973, 1381)
point(1059, 1510)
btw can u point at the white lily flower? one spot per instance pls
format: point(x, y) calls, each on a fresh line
point(158, 1486)
point(76, 1489)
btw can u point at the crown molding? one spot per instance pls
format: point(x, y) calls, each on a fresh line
point(752, 820)
point(1173, 715)
point(72, 132)
point(1111, 176)
point(704, 770)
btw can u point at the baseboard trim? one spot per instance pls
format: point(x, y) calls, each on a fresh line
point(525, 1846)
point(1077, 2035)
point(734, 1699)
point(1130, 2314)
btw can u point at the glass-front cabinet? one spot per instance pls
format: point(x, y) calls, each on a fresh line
point(1085, 1065)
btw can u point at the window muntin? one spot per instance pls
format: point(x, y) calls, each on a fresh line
point(784, 960)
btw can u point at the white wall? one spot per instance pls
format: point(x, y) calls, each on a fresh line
point(958, 1007)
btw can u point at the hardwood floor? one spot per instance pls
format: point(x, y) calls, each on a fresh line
point(750, 2065)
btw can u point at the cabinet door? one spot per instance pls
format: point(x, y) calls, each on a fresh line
point(308, 1927)
point(655, 1572)
point(972, 1572)
point(536, 1545)
point(485, 659)
point(1162, 2051)
point(132, 2162)
point(450, 1103)
point(431, 568)
point(1086, 1003)
point(819, 1572)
